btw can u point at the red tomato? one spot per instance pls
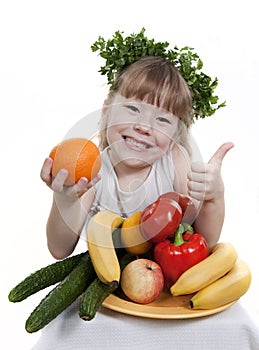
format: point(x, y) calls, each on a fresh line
point(160, 219)
point(185, 202)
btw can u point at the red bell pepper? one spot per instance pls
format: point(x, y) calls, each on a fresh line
point(188, 208)
point(175, 257)
point(160, 219)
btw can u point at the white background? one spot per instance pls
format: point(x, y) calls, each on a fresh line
point(49, 80)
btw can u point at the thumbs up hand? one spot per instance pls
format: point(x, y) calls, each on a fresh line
point(204, 179)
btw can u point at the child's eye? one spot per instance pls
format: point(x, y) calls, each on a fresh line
point(163, 120)
point(133, 108)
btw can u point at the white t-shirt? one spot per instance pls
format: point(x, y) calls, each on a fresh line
point(109, 196)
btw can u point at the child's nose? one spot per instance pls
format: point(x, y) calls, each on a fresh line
point(142, 128)
point(143, 125)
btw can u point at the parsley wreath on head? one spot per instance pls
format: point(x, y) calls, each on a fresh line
point(121, 51)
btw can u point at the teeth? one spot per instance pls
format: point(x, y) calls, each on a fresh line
point(136, 143)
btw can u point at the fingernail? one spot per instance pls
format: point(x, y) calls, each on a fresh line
point(64, 171)
point(48, 161)
point(83, 181)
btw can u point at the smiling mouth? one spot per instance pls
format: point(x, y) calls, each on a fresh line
point(136, 144)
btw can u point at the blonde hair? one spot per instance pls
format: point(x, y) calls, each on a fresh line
point(156, 81)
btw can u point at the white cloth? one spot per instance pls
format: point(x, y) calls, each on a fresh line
point(231, 329)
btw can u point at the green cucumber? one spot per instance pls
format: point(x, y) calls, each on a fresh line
point(93, 297)
point(97, 292)
point(62, 295)
point(44, 277)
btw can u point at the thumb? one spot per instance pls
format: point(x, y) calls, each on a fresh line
point(219, 155)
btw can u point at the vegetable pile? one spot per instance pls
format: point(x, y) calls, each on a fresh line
point(215, 278)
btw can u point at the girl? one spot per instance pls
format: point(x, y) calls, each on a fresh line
point(144, 138)
point(145, 152)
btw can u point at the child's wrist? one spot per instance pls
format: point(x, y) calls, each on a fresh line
point(64, 200)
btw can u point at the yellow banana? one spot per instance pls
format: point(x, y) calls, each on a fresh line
point(101, 247)
point(221, 259)
point(225, 290)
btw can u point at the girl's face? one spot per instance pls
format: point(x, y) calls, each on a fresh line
point(138, 133)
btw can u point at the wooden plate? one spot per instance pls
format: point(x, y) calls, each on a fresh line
point(164, 307)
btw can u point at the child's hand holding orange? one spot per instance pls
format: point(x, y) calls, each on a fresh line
point(73, 165)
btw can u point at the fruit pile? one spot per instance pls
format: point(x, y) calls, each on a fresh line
point(168, 255)
point(150, 252)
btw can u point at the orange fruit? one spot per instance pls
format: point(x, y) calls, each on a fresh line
point(131, 236)
point(79, 156)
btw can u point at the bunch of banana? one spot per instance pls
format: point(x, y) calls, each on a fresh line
point(225, 290)
point(217, 280)
point(101, 247)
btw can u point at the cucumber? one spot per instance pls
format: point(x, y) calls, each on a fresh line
point(93, 297)
point(97, 292)
point(126, 259)
point(62, 295)
point(44, 277)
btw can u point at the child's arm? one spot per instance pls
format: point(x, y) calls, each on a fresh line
point(68, 212)
point(203, 182)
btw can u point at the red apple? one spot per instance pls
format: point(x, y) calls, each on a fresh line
point(142, 280)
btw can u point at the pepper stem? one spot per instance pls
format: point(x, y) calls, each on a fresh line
point(187, 227)
point(178, 236)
